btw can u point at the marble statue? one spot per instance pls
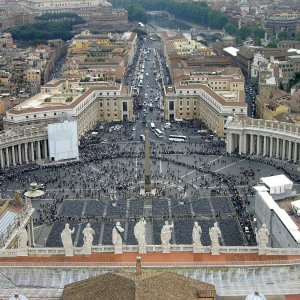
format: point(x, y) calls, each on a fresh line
point(196, 235)
point(263, 236)
point(140, 235)
point(66, 238)
point(117, 238)
point(165, 236)
point(88, 236)
point(23, 238)
point(214, 235)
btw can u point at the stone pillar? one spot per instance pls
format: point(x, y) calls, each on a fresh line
point(19, 154)
point(258, 146)
point(271, 147)
point(290, 151)
point(283, 149)
point(229, 143)
point(277, 148)
point(1, 158)
point(240, 143)
point(265, 146)
point(13, 155)
point(26, 152)
point(38, 149)
point(32, 152)
point(45, 149)
point(295, 152)
point(251, 143)
point(7, 157)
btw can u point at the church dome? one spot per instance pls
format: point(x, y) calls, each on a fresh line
point(256, 296)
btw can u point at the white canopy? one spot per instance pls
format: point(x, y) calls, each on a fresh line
point(277, 184)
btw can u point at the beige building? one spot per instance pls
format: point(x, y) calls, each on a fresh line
point(85, 102)
point(209, 97)
point(33, 75)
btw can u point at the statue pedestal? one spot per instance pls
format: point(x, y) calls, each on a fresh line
point(118, 249)
point(142, 249)
point(166, 248)
point(198, 248)
point(262, 250)
point(23, 251)
point(69, 252)
point(215, 251)
point(86, 251)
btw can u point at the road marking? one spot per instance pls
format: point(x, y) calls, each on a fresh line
point(230, 165)
point(188, 174)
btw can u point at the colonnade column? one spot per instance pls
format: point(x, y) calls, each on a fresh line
point(240, 143)
point(32, 152)
point(251, 143)
point(283, 149)
point(295, 151)
point(258, 146)
point(7, 157)
point(290, 151)
point(277, 147)
point(38, 150)
point(46, 154)
point(265, 145)
point(26, 152)
point(20, 154)
point(1, 158)
point(13, 155)
point(271, 147)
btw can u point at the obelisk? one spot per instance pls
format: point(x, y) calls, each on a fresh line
point(147, 169)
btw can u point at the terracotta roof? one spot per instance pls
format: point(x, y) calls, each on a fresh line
point(154, 285)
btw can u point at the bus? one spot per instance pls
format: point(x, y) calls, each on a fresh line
point(177, 138)
point(159, 133)
point(152, 125)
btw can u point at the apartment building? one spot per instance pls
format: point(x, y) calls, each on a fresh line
point(85, 102)
point(209, 97)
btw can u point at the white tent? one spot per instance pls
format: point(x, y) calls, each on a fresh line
point(278, 184)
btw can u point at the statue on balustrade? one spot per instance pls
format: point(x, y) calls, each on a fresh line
point(140, 235)
point(263, 236)
point(165, 236)
point(88, 236)
point(117, 238)
point(214, 235)
point(197, 232)
point(23, 238)
point(66, 238)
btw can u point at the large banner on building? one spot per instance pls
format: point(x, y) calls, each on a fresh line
point(62, 141)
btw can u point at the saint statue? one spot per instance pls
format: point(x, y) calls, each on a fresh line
point(66, 238)
point(166, 233)
point(197, 231)
point(23, 237)
point(263, 236)
point(116, 235)
point(214, 235)
point(140, 234)
point(88, 236)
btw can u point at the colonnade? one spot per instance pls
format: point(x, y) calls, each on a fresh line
point(23, 152)
point(281, 147)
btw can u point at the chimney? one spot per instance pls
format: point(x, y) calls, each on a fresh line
point(138, 266)
point(17, 198)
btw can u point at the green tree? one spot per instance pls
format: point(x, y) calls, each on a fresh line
point(297, 36)
point(136, 12)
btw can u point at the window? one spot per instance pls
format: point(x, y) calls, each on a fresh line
point(35, 116)
point(45, 115)
point(180, 102)
point(54, 114)
point(171, 105)
point(100, 104)
point(27, 117)
point(125, 106)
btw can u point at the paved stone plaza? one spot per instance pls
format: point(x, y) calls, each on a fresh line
point(194, 181)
